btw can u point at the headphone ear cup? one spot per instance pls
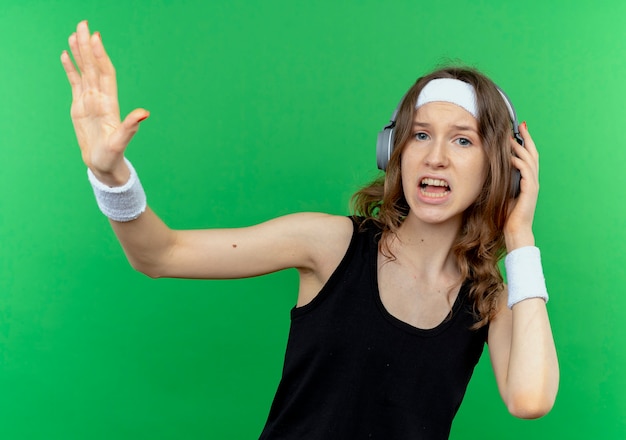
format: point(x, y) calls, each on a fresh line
point(384, 147)
point(516, 180)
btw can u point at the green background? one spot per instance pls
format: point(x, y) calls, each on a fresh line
point(261, 108)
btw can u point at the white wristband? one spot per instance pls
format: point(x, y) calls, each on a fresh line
point(525, 275)
point(121, 203)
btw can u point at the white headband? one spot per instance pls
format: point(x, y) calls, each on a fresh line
point(449, 90)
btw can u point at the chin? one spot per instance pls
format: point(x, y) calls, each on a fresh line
point(436, 218)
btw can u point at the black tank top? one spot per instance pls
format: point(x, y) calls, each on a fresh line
point(353, 371)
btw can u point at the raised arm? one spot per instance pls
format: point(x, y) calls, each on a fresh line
point(521, 345)
point(310, 242)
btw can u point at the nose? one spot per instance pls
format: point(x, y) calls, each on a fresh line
point(437, 155)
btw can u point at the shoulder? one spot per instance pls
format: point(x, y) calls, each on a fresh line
point(319, 235)
point(325, 239)
point(320, 219)
point(328, 235)
point(315, 225)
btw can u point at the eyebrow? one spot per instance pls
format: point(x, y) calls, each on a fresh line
point(455, 126)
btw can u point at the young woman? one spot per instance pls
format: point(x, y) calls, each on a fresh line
point(394, 303)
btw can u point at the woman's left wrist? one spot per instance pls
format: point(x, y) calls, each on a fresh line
point(518, 239)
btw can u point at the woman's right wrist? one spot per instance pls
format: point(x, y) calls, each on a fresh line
point(121, 202)
point(115, 178)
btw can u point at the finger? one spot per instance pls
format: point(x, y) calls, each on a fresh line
point(72, 74)
point(521, 151)
point(129, 127)
point(528, 140)
point(89, 67)
point(527, 169)
point(108, 80)
point(73, 42)
point(529, 152)
point(522, 155)
point(529, 184)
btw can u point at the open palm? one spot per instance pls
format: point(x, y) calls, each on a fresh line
point(101, 134)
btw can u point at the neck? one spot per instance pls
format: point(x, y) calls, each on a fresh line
point(427, 247)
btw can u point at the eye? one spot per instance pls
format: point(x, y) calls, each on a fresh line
point(421, 136)
point(464, 142)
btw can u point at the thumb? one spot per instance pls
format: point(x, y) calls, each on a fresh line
point(129, 126)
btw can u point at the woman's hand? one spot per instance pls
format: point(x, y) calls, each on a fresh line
point(518, 228)
point(101, 134)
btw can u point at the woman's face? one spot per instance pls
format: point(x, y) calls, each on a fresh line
point(444, 164)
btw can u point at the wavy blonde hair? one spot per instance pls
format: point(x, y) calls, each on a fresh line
point(480, 242)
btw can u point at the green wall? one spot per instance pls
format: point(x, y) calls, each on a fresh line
point(261, 108)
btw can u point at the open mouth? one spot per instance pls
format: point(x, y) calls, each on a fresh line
point(434, 187)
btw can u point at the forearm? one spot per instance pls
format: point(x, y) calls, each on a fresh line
point(533, 371)
point(526, 352)
point(147, 242)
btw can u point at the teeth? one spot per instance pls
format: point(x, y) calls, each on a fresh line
point(434, 195)
point(434, 182)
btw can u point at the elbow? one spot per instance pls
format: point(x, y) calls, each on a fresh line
point(152, 263)
point(150, 270)
point(531, 405)
point(532, 396)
